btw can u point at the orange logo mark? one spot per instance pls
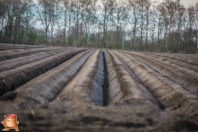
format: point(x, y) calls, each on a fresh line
point(10, 122)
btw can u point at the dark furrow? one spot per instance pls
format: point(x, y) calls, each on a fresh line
point(10, 80)
point(99, 91)
point(138, 82)
point(106, 82)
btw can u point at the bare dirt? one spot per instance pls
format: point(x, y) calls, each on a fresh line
point(70, 89)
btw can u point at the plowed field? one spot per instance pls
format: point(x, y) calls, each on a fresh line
point(78, 89)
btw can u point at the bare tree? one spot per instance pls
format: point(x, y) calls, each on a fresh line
point(141, 5)
point(106, 12)
point(196, 23)
point(133, 21)
point(179, 20)
point(12, 15)
point(153, 21)
point(166, 19)
point(54, 16)
point(44, 15)
point(119, 11)
point(88, 16)
point(147, 7)
point(29, 17)
point(65, 9)
point(21, 8)
point(76, 4)
point(160, 25)
point(191, 22)
point(2, 13)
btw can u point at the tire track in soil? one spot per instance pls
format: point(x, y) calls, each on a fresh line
point(189, 83)
point(47, 86)
point(176, 97)
point(10, 80)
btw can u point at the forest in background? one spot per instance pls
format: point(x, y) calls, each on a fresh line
point(138, 25)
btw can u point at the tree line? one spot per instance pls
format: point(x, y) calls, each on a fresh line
point(140, 25)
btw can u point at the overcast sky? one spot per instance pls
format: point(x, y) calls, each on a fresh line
point(186, 2)
point(189, 2)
